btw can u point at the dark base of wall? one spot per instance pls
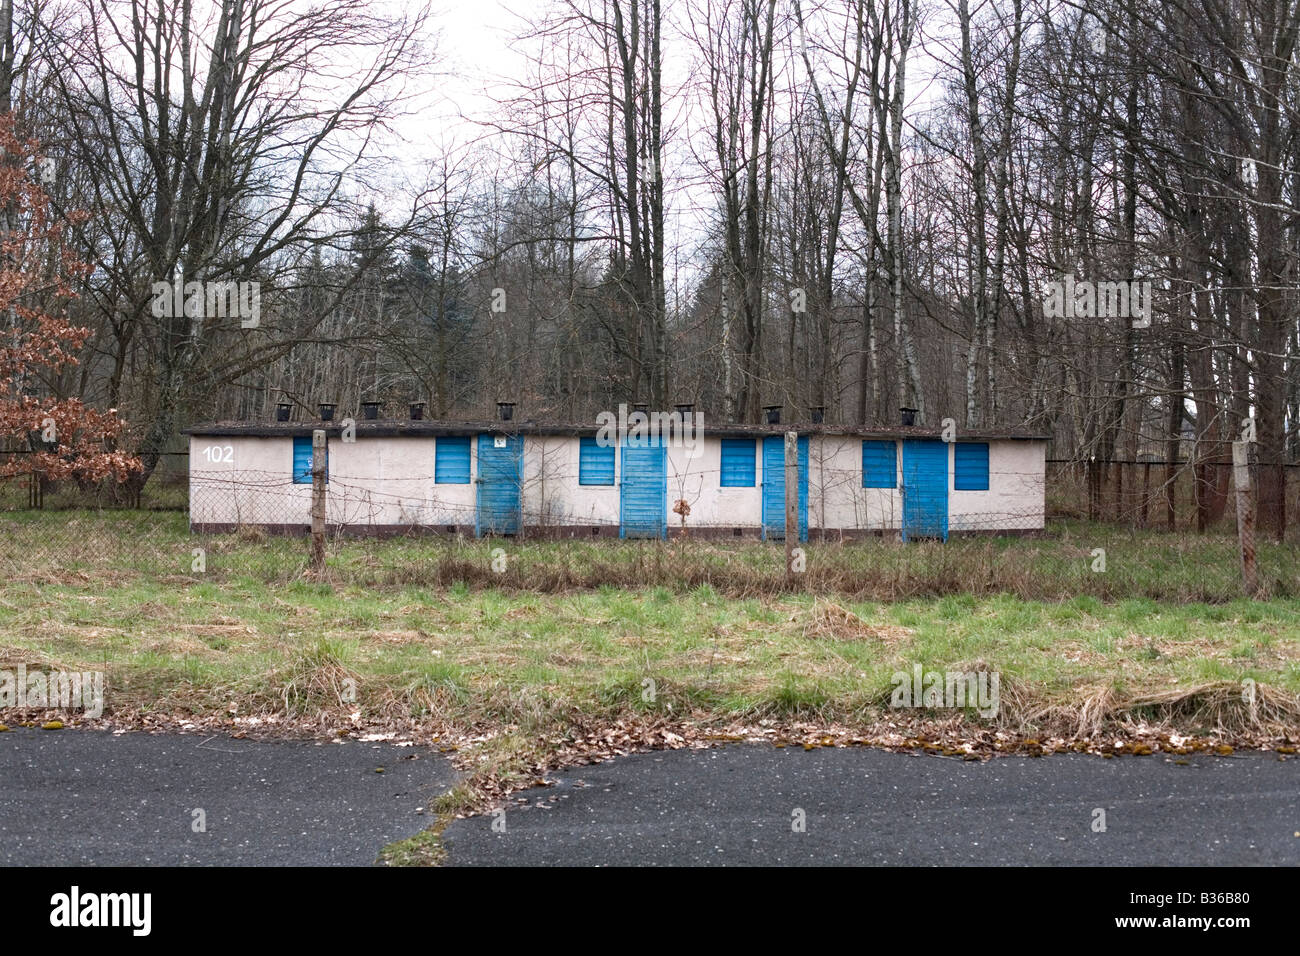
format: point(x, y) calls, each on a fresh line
point(746, 533)
point(218, 527)
point(994, 533)
point(581, 532)
point(347, 531)
point(575, 532)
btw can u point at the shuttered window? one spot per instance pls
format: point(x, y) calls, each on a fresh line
point(302, 461)
point(451, 461)
point(595, 462)
point(971, 466)
point(879, 465)
point(738, 455)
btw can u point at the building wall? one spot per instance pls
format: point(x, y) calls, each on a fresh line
point(836, 499)
point(1017, 489)
point(245, 480)
point(388, 482)
point(694, 475)
point(552, 496)
point(379, 481)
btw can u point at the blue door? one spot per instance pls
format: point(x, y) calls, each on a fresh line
point(925, 489)
point(500, 484)
point(774, 487)
point(643, 489)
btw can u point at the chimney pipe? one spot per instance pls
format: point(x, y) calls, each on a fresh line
point(818, 414)
point(685, 408)
point(327, 411)
point(282, 410)
point(773, 413)
point(370, 410)
point(908, 416)
point(505, 411)
point(417, 411)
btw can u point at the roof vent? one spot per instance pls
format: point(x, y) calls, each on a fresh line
point(685, 408)
point(417, 411)
point(327, 411)
point(505, 411)
point(773, 414)
point(908, 416)
point(282, 410)
point(818, 414)
point(370, 410)
point(642, 407)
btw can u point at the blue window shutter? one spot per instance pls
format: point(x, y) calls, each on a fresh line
point(879, 465)
point(302, 461)
point(595, 462)
point(970, 466)
point(451, 461)
point(738, 455)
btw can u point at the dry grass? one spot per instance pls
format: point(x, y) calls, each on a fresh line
point(1212, 709)
point(831, 621)
point(315, 681)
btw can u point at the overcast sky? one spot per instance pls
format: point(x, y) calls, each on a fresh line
point(474, 54)
point(477, 67)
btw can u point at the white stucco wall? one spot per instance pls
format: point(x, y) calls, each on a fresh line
point(836, 498)
point(390, 481)
point(694, 476)
point(552, 496)
point(248, 483)
point(1015, 499)
point(372, 481)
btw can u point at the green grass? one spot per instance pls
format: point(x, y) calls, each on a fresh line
point(192, 644)
point(423, 849)
point(595, 633)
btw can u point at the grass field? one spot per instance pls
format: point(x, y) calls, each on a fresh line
point(514, 667)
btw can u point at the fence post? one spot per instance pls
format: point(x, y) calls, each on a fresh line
point(318, 452)
point(791, 500)
point(1146, 494)
point(1245, 514)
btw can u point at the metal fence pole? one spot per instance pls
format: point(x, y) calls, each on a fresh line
point(318, 451)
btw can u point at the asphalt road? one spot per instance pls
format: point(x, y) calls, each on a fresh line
point(738, 806)
point(81, 797)
point(76, 797)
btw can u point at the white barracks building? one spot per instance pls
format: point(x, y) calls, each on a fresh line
point(671, 474)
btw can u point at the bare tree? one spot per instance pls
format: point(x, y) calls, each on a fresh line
point(210, 150)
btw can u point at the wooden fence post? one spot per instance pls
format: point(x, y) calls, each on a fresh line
point(1245, 514)
point(318, 453)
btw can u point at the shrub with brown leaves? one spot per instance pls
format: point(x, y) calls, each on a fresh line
point(67, 438)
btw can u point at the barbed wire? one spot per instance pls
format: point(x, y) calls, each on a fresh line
point(1123, 493)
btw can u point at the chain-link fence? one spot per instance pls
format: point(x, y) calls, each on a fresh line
point(1138, 495)
point(166, 490)
point(259, 530)
point(1156, 494)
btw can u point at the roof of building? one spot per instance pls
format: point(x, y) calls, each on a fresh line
point(400, 428)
